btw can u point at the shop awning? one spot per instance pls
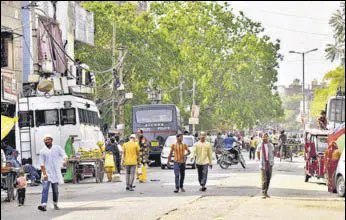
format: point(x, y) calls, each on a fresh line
point(7, 124)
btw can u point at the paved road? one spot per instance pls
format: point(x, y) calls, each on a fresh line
point(232, 194)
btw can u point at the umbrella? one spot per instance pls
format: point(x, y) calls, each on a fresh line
point(6, 125)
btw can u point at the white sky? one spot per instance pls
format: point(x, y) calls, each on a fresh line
point(301, 26)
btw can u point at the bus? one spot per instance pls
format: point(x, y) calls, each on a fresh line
point(61, 116)
point(335, 111)
point(158, 121)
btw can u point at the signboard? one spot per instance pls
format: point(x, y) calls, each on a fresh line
point(193, 121)
point(9, 86)
point(84, 25)
point(128, 95)
point(195, 111)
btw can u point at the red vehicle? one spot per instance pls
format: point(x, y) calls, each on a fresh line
point(316, 143)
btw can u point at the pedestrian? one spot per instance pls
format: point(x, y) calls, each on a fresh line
point(113, 148)
point(144, 156)
point(3, 158)
point(179, 149)
point(203, 152)
point(208, 138)
point(265, 153)
point(50, 158)
point(21, 188)
point(253, 145)
point(218, 145)
point(322, 121)
point(131, 159)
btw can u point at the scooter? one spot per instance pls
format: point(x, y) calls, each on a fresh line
point(232, 157)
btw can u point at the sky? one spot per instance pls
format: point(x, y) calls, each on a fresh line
point(300, 26)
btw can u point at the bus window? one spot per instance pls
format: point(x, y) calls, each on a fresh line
point(26, 119)
point(68, 116)
point(47, 117)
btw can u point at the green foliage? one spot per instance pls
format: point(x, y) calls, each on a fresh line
point(334, 78)
point(234, 64)
point(337, 49)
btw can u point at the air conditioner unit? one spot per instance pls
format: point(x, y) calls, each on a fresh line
point(47, 66)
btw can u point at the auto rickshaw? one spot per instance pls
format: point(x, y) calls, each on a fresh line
point(316, 143)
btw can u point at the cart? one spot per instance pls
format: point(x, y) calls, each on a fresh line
point(9, 181)
point(78, 169)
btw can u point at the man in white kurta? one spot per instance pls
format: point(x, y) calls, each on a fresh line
point(51, 158)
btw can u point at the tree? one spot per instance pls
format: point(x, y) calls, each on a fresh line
point(334, 78)
point(234, 65)
point(337, 50)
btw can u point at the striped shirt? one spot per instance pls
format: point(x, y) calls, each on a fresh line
point(179, 152)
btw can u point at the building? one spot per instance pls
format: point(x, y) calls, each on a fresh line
point(11, 55)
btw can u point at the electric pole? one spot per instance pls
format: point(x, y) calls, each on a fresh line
point(193, 102)
point(114, 104)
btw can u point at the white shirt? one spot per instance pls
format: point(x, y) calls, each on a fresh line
point(270, 157)
point(52, 160)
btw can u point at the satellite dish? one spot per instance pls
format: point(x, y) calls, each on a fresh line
point(45, 86)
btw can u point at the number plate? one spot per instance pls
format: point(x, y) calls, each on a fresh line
point(154, 144)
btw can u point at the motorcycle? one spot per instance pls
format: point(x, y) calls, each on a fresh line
point(232, 157)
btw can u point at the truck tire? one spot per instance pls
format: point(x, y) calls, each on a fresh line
point(340, 186)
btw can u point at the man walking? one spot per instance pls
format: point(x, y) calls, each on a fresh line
point(218, 145)
point(253, 145)
point(265, 153)
point(131, 159)
point(203, 153)
point(179, 150)
point(51, 157)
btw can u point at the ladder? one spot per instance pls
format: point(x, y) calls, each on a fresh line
point(25, 133)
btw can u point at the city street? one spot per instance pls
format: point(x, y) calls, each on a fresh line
point(232, 194)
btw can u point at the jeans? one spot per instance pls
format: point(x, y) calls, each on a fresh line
point(266, 175)
point(252, 152)
point(21, 196)
point(179, 172)
point(130, 175)
point(202, 174)
point(45, 192)
point(32, 172)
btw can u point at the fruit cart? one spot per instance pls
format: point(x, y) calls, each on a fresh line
point(78, 168)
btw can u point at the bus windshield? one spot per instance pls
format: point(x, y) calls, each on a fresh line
point(337, 110)
point(154, 115)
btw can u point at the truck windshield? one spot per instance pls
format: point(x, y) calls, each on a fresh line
point(154, 116)
point(322, 144)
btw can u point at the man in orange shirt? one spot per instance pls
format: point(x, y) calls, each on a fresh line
point(179, 162)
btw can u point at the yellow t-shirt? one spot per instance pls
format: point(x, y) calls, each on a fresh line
point(131, 150)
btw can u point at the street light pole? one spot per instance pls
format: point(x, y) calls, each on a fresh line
point(303, 83)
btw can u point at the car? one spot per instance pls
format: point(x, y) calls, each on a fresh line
point(339, 178)
point(188, 139)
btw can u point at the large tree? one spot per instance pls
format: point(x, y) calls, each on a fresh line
point(336, 50)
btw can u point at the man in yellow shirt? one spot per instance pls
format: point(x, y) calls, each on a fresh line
point(203, 152)
point(131, 159)
point(253, 146)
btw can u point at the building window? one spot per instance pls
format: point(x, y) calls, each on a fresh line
point(26, 119)
point(5, 37)
point(68, 116)
point(47, 117)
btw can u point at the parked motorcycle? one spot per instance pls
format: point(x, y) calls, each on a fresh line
point(232, 157)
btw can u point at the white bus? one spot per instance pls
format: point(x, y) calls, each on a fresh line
point(61, 116)
point(335, 111)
